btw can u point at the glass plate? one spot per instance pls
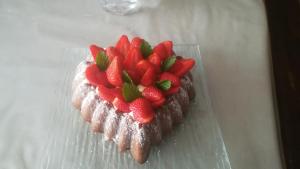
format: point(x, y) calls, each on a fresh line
point(195, 144)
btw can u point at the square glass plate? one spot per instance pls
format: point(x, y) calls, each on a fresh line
point(197, 143)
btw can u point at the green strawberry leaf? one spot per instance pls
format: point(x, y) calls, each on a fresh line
point(168, 63)
point(163, 85)
point(102, 61)
point(126, 77)
point(146, 49)
point(130, 92)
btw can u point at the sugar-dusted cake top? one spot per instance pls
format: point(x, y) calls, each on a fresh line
point(134, 77)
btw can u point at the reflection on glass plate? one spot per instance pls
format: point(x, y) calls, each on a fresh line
point(195, 144)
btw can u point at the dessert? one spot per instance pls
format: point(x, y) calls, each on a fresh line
point(132, 93)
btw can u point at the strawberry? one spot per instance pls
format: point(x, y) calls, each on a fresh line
point(123, 45)
point(121, 105)
point(149, 77)
point(155, 59)
point(114, 72)
point(182, 66)
point(133, 57)
point(161, 50)
point(169, 47)
point(95, 50)
point(158, 103)
point(142, 110)
point(136, 42)
point(172, 90)
point(95, 76)
point(152, 94)
point(135, 76)
point(106, 93)
point(142, 66)
point(175, 81)
point(112, 52)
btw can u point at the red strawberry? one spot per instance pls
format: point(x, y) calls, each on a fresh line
point(182, 66)
point(114, 72)
point(161, 50)
point(121, 105)
point(169, 47)
point(175, 81)
point(95, 76)
point(133, 57)
point(112, 52)
point(142, 110)
point(123, 45)
point(152, 94)
point(158, 103)
point(149, 77)
point(134, 76)
point(142, 66)
point(155, 59)
point(95, 50)
point(172, 90)
point(136, 42)
point(106, 93)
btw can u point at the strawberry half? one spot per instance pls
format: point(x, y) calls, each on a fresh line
point(106, 93)
point(152, 94)
point(123, 45)
point(133, 57)
point(169, 47)
point(121, 105)
point(172, 90)
point(112, 52)
point(155, 59)
point(161, 50)
point(142, 110)
point(142, 66)
point(95, 50)
point(158, 103)
point(182, 66)
point(114, 72)
point(95, 76)
point(136, 42)
point(175, 81)
point(149, 77)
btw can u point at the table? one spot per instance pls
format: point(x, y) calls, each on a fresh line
point(234, 44)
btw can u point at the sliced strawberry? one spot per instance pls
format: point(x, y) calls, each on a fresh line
point(123, 45)
point(169, 47)
point(158, 103)
point(136, 42)
point(175, 81)
point(152, 94)
point(133, 57)
point(112, 52)
point(160, 49)
point(182, 66)
point(95, 50)
point(134, 76)
point(155, 59)
point(142, 66)
point(95, 76)
point(172, 90)
point(142, 110)
point(114, 72)
point(106, 93)
point(149, 77)
point(121, 105)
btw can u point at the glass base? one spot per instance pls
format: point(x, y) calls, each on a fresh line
point(122, 8)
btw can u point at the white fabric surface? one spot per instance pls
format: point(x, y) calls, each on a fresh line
point(234, 45)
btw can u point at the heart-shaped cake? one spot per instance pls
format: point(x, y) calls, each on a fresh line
point(133, 93)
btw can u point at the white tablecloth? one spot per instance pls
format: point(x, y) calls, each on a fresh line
point(234, 44)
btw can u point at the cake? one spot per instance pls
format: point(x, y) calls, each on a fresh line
point(132, 93)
